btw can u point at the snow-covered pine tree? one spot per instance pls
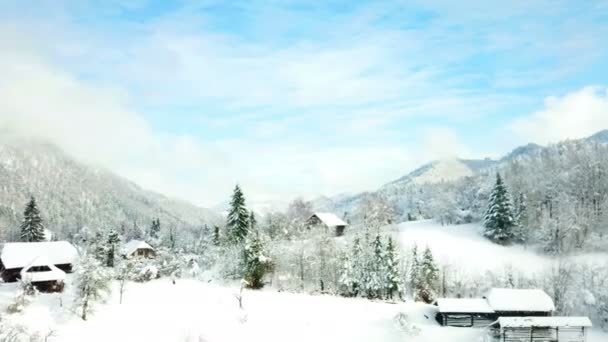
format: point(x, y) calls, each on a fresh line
point(499, 221)
point(92, 285)
point(32, 229)
point(374, 283)
point(238, 217)
point(252, 221)
point(359, 267)
point(414, 271)
point(346, 279)
point(216, 235)
point(112, 243)
point(429, 276)
point(155, 229)
point(256, 264)
point(393, 282)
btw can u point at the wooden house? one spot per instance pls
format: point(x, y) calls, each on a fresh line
point(16, 256)
point(541, 329)
point(45, 276)
point(520, 302)
point(137, 248)
point(329, 221)
point(464, 312)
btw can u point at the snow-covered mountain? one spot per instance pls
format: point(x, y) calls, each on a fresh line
point(72, 195)
point(423, 186)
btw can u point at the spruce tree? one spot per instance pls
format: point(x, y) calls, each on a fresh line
point(393, 282)
point(414, 276)
point(256, 264)
point(216, 235)
point(32, 229)
point(238, 217)
point(499, 220)
point(429, 276)
point(252, 221)
point(155, 229)
point(347, 276)
point(374, 283)
point(112, 242)
point(359, 267)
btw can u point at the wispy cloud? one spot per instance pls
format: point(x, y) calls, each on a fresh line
point(287, 97)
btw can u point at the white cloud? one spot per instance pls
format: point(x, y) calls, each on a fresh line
point(574, 115)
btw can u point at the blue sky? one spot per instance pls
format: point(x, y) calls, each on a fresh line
point(299, 98)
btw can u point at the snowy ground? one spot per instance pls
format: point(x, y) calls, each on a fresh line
point(196, 311)
point(464, 247)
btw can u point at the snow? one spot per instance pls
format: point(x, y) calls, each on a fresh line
point(191, 310)
point(480, 254)
point(523, 300)
point(133, 245)
point(463, 305)
point(330, 220)
point(544, 322)
point(52, 274)
point(21, 254)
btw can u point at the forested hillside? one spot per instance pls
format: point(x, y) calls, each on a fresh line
point(72, 195)
point(563, 189)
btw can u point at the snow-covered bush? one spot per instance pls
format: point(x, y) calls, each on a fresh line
point(402, 322)
point(11, 331)
point(22, 298)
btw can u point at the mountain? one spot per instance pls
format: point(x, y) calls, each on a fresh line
point(426, 187)
point(72, 195)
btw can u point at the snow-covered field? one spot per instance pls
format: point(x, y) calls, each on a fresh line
point(464, 247)
point(193, 310)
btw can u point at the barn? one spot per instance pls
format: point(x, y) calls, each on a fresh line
point(520, 302)
point(16, 256)
point(541, 329)
point(330, 221)
point(137, 248)
point(464, 312)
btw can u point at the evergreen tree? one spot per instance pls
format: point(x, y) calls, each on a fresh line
point(347, 279)
point(216, 235)
point(155, 229)
point(499, 220)
point(393, 282)
point(374, 283)
point(256, 264)
point(521, 220)
point(112, 242)
point(238, 217)
point(414, 276)
point(359, 267)
point(252, 221)
point(429, 276)
point(32, 229)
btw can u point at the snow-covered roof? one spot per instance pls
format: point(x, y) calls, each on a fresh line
point(544, 322)
point(463, 305)
point(21, 254)
point(330, 220)
point(36, 276)
point(523, 300)
point(133, 245)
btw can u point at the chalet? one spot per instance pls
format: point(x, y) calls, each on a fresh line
point(541, 329)
point(16, 256)
point(137, 248)
point(520, 302)
point(330, 221)
point(45, 276)
point(464, 312)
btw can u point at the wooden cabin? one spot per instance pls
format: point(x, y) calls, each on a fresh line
point(16, 256)
point(329, 221)
point(464, 312)
point(520, 302)
point(541, 329)
point(137, 248)
point(43, 275)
